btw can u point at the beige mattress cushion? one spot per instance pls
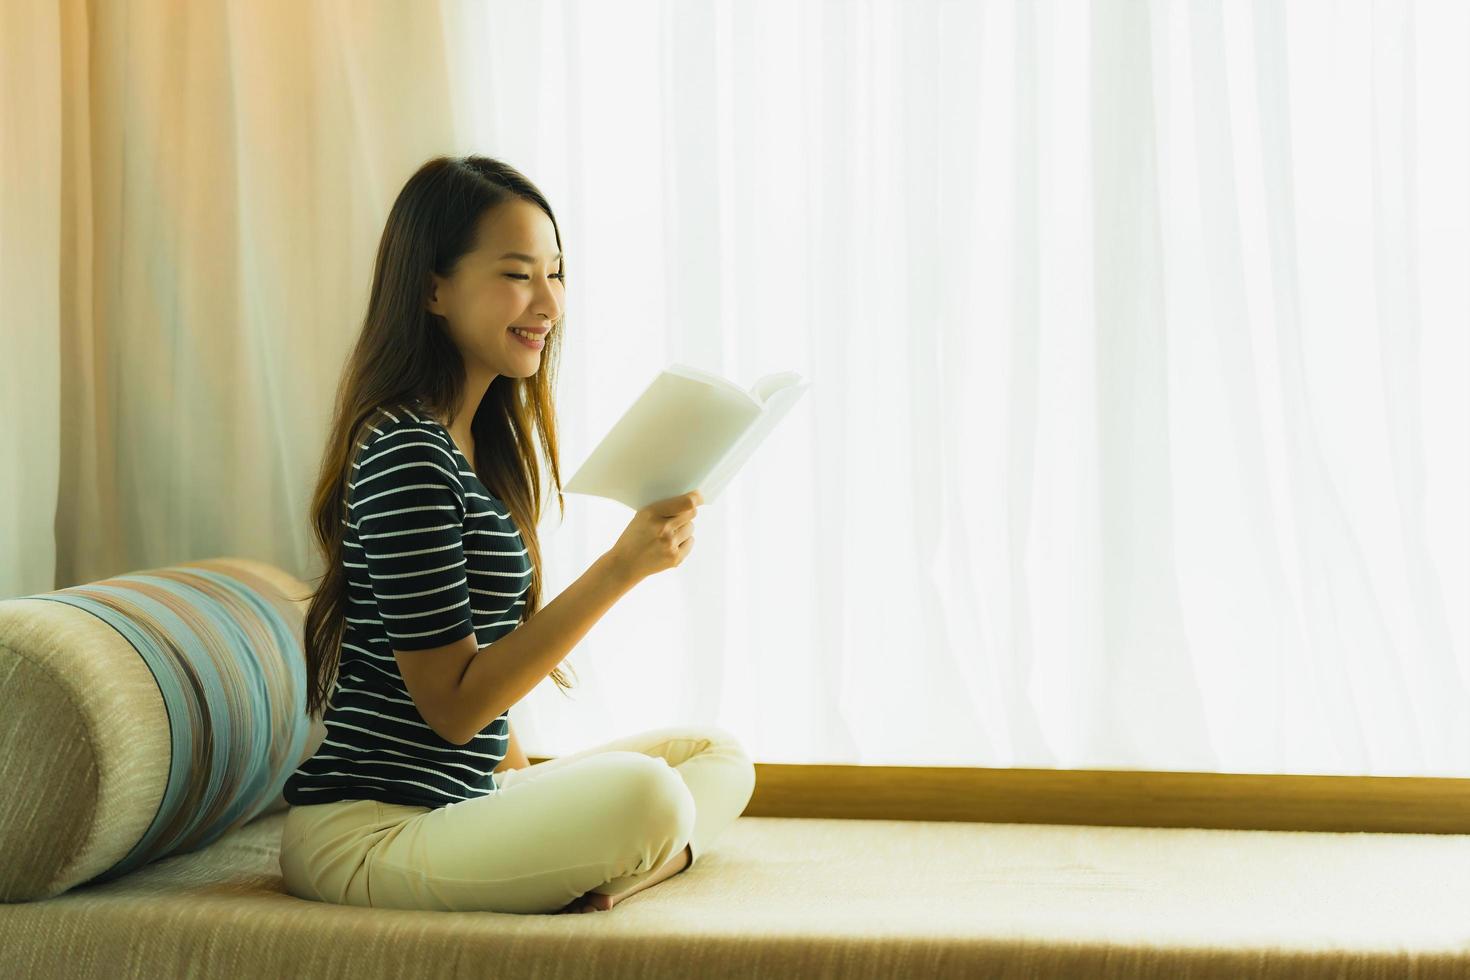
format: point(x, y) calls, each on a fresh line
point(779, 897)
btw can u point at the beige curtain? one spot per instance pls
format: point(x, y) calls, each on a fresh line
point(192, 195)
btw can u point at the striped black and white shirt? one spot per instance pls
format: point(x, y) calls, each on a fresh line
point(431, 556)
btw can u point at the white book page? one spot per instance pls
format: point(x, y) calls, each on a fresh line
point(778, 402)
point(688, 430)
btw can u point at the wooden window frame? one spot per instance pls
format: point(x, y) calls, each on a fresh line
point(1121, 798)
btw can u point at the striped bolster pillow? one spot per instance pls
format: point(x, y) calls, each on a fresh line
point(145, 715)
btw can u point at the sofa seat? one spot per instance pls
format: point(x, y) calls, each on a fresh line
point(783, 897)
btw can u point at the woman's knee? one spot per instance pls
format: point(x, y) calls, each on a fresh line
point(731, 748)
point(653, 791)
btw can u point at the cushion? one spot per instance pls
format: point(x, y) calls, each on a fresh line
point(787, 897)
point(146, 715)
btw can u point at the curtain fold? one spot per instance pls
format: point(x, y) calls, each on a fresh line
point(34, 51)
point(1139, 334)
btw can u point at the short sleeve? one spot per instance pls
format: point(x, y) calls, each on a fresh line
point(408, 505)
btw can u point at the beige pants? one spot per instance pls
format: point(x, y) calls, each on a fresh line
point(596, 820)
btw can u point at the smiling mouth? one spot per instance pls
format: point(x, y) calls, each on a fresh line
point(534, 341)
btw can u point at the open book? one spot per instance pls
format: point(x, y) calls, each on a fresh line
point(688, 430)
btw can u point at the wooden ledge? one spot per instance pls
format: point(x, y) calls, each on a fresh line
point(1123, 798)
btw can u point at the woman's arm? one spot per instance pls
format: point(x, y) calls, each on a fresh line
point(514, 757)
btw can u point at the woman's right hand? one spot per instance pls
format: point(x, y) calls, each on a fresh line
point(658, 537)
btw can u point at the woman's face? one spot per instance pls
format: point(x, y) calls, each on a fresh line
point(491, 291)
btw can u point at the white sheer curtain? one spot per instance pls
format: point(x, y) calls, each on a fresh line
point(1139, 433)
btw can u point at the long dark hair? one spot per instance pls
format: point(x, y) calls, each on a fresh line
point(400, 356)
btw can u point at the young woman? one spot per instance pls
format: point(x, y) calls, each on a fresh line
point(427, 625)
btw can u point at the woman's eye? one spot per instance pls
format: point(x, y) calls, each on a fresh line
point(518, 275)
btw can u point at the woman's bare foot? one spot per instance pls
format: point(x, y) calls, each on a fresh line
point(595, 901)
point(590, 902)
